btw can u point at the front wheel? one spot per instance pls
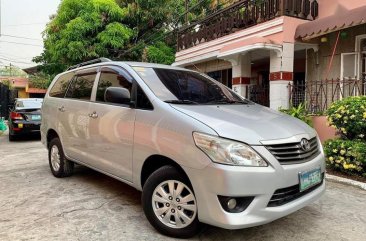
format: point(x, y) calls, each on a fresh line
point(169, 203)
point(60, 166)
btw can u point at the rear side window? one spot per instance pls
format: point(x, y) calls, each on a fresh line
point(112, 77)
point(81, 86)
point(60, 87)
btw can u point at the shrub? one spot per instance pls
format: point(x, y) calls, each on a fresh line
point(298, 112)
point(346, 156)
point(349, 117)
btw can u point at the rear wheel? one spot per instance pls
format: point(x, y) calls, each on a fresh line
point(60, 166)
point(169, 203)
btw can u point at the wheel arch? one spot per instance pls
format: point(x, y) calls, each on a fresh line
point(154, 162)
point(51, 133)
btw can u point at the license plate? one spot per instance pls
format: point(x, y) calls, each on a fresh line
point(309, 179)
point(36, 117)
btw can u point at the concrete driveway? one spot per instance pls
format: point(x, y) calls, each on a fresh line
point(90, 206)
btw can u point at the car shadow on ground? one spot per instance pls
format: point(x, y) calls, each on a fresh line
point(25, 138)
point(287, 228)
point(108, 184)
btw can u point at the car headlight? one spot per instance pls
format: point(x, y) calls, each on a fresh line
point(228, 152)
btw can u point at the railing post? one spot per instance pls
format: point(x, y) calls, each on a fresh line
point(306, 8)
point(281, 4)
point(247, 92)
point(314, 9)
point(289, 87)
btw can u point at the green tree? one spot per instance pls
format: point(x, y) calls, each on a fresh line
point(83, 30)
point(159, 53)
point(118, 29)
point(155, 23)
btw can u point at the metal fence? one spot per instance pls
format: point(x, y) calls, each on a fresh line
point(317, 96)
point(258, 94)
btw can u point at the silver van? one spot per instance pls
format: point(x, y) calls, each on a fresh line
point(199, 152)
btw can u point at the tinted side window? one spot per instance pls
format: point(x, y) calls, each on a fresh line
point(60, 87)
point(112, 77)
point(81, 86)
point(142, 102)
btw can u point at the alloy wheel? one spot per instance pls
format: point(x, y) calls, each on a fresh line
point(55, 158)
point(174, 204)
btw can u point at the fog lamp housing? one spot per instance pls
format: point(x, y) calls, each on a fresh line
point(235, 204)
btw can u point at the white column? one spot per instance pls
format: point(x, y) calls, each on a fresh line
point(281, 75)
point(241, 70)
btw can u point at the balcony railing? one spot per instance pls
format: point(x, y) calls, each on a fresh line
point(241, 15)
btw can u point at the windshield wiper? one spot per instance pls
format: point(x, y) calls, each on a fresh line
point(184, 102)
point(223, 101)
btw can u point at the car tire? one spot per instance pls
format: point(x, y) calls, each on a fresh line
point(60, 166)
point(164, 207)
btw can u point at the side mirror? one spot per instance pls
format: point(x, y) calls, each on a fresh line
point(117, 95)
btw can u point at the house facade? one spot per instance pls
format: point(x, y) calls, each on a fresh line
point(22, 88)
point(281, 52)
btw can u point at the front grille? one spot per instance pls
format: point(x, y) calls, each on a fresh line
point(288, 194)
point(292, 153)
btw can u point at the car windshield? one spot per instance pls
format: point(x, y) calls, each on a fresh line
point(187, 87)
point(28, 104)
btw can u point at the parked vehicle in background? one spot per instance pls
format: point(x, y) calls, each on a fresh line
point(198, 151)
point(25, 117)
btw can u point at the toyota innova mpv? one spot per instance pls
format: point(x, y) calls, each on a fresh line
point(199, 152)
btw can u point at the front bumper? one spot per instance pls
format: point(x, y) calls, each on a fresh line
point(260, 182)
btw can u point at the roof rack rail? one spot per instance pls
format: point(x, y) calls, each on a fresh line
point(93, 61)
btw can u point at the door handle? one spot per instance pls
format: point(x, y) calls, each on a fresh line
point(62, 109)
point(93, 115)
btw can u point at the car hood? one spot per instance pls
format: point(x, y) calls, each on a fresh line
point(250, 123)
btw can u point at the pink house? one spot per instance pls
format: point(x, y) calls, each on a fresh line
point(281, 52)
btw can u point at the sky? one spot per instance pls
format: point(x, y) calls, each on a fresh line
point(25, 19)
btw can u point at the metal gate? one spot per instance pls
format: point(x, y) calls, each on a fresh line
point(258, 94)
point(7, 98)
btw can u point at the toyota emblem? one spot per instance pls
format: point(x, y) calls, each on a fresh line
point(305, 145)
